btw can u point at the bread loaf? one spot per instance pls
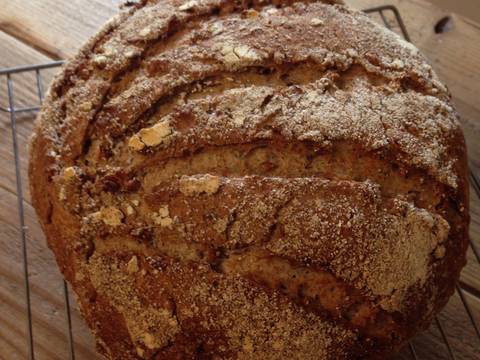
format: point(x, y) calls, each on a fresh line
point(225, 179)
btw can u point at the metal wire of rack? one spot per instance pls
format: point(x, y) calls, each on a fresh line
point(397, 24)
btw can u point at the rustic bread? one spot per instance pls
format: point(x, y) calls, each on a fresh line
point(251, 180)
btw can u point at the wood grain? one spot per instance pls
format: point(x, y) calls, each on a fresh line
point(30, 21)
point(31, 36)
point(49, 320)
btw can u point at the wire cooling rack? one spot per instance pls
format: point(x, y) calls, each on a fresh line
point(390, 17)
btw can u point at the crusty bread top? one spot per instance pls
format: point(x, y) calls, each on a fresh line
point(248, 145)
point(414, 124)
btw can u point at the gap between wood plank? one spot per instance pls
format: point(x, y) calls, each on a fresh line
point(13, 192)
point(24, 38)
point(469, 289)
point(470, 22)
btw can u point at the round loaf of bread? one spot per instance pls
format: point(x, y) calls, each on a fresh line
point(224, 179)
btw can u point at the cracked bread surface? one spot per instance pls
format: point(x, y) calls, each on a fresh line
point(222, 179)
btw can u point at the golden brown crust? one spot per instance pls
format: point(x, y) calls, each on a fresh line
point(257, 180)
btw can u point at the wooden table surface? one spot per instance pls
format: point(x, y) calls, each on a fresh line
point(37, 31)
